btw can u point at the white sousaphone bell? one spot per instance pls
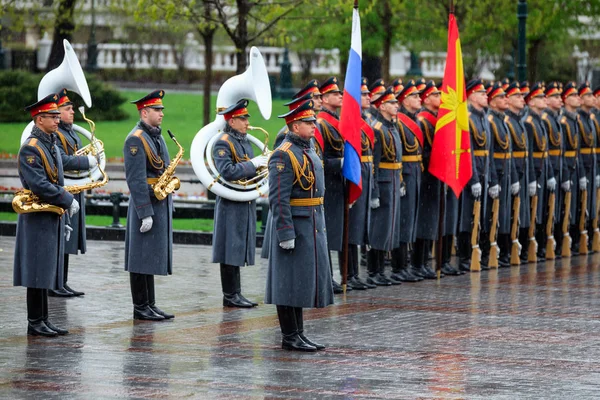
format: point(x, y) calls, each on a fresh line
point(253, 84)
point(69, 75)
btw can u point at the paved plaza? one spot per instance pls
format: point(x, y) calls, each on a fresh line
point(521, 332)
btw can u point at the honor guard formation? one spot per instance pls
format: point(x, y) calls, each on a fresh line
point(533, 194)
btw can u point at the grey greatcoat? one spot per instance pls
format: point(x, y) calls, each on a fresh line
point(387, 153)
point(68, 143)
point(234, 237)
point(483, 173)
point(429, 204)
point(572, 158)
point(298, 277)
point(541, 166)
point(587, 132)
point(333, 154)
point(504, 165)
point(40, 239)
point(556, 146)
point(523, 161)
point(411, 176)
point(146, 156)
point(360, 213)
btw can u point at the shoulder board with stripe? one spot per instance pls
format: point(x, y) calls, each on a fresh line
point(529, 119)
point(490, 118)
point(506, 119)
point(224, 137)
point(592, 116)
point(377, 125)
point(138, 133)
point(33, 142)
point(563, 120)
point(285, 146)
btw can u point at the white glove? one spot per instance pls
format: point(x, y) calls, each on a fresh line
point(260, 161)
point(73, 208)
point(551, 184)
point(532, 188)
point(566, 186)
point(374, 203)
point(341, 163)
point(402, 191)
point(146, 224)
point(68, 231)
point(476, 190)
point(494, 191)
point(92, 160)
point(597, 181)
point(367, 247)
point(583, 183)
point(514, 188)
point(288, 244)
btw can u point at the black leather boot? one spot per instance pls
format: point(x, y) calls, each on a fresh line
point(419, 253)
point(464, 252)
point(139, 295)
point(447, 268)
point(152, 298)
point(35, 314)
point(541, 237)
point(300, 325)
point(49, 324)
point(66, 275)
point(353, 280)
point(505, 247)
point(374, 258)
point(289, 330)
point(238, 286)
point(230, 296)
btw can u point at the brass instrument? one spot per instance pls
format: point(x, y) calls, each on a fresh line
point(261, 172)
point(476, 251)
point(167, 183)
point(550, 241)
point(567, 240)
point(25, 201)
point(533, 244)
point(515, 250)
point(494, 249)
point(583, 233)
point(96, 146)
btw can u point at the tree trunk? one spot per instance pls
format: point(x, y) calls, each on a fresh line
point(532, 59)
point(387, 42)
point(63, 29)
point(241, 40)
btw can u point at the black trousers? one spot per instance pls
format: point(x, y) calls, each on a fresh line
point(142, 289)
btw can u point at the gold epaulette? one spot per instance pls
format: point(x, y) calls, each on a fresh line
point(490, 118)
point(378, 125)
point(506, 119)
point(300, 171)
point(285, 146)
point(529, 119)
point(51, 172)
point(563, 120)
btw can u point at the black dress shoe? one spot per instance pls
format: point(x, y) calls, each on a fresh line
point(356, 285)
point(384, 278)
point(376, 280)
point(55, 328)
point(60, 293)
point(161, 312)
point(464, 266)
point(357, 279)
point(448, 269)
point(39, 328)
point(410, 276)
point(503, 262)
point(248, 301)
point(234, 300)
point(145, 313)
point(295, 342)
point(426, 273)
point(394, 281)
point(316, 345)
point(75, 292)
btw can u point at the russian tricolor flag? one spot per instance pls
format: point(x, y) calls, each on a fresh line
point(350, 117)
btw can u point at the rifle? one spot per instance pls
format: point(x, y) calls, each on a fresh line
point(494, 249)
point(476, 251)
point(550, 241)
point(515, 250)
point(583, 233)
point(596, 237)
point(567, 240)
point(533, 244)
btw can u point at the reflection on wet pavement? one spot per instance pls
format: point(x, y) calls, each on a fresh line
point(523, 332)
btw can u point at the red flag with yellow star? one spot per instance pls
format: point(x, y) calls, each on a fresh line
point(451, 150)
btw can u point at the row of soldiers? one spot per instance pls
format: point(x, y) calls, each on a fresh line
point(526, 142)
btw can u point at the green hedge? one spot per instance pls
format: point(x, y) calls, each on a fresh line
point(18, 89)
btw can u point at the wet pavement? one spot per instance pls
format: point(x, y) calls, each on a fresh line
point(521, 332)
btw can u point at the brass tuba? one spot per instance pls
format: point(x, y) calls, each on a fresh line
point(253, 84)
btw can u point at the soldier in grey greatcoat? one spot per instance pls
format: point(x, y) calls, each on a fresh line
point(523, 160)
point(384, 233)
point(333, 159)
point(556, 158)
point(542, 167)
point(149, 233)
point(483, 185)
point(38, 263)
point(376, 89)
point(234, 237)
point(298, 275)
point(360, 213)
point(411, 137)
point(68, 143)
point(505, 168)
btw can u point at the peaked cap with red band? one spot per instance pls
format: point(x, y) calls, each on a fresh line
point(63, 100)
point(552, 89)
point(584, 89)
point(387, 97)
point(488, 87)
point(475, 85)
point(377, 87)
point(152, 100)
point(525, 88)
point(430, 88)
point(296, 102)
point(495, 91)
point(505, 83)
point(512, 89)
point(311, 87)
point(409, 89)
point(420, 84)
point(48, 105)
point(330, 86)
point(364, 88)
point(304, 112)
point(597, 91)
point(397, 86)
point(569, 89)
point(238, 110)
point(537, 90)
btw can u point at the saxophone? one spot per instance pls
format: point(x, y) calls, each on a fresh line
point(25, 201)
point(167, 183)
